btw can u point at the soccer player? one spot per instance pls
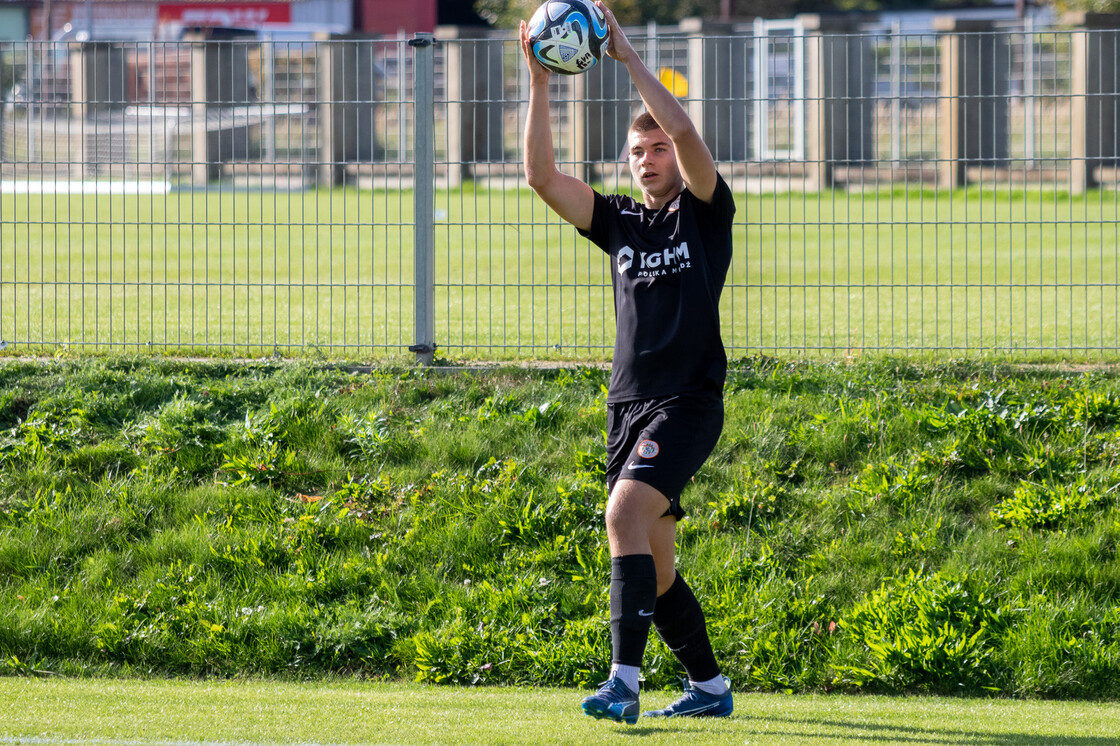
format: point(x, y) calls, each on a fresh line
point(669, 256)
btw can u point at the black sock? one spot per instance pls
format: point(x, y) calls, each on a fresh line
point(680, 623)
point(633, 598)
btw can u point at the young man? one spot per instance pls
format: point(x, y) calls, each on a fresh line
point(669, 256)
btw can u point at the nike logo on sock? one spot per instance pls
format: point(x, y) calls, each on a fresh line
point(644, 613)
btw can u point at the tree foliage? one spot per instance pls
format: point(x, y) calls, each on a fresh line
point(1094, 6)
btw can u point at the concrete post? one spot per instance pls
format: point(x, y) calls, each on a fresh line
point(474, 80)
point(351, 84)
point(579, 108)
point(718, 78)
point(97, 78)
point(972, 112)
point(1095, 125)
point(220, 80)
point(601, 116)
point(203, 166)
point(839, 96)
point(951, 168)
point(97, 84)
point(1081, 176)
point(818, 166)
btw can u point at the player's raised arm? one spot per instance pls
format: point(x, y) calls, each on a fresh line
point(693, 157)
point(572, 200)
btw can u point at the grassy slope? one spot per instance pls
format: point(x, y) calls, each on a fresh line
point(883, 526)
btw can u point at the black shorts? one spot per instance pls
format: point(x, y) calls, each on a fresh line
point(663, 442)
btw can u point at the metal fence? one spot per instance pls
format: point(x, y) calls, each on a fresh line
point(951, 191)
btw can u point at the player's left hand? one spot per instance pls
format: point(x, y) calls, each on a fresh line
point(537, 72)
point(618, 46)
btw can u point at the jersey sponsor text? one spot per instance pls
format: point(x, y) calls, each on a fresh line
point(655, 263)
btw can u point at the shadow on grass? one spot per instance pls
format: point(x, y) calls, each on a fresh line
point(902, 734)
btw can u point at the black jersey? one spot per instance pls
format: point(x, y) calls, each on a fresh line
point(668, 269)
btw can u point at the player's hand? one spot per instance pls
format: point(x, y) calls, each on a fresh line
point(618, 46)
point(538, 73)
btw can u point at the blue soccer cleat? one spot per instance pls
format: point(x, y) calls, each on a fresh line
point(697, 704)
point(614, 701)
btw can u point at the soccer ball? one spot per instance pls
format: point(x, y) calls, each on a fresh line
point(568, 36)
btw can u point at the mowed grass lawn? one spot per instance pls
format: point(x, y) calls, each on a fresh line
point(834, 272)
point(78, 711)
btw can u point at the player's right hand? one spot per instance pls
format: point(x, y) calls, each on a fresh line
point(618, 46)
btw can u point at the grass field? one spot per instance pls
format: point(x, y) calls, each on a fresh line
point(332, 271)
point(108, 713)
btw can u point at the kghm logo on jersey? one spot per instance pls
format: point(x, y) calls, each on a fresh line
point(655, 263)
point(625, 259)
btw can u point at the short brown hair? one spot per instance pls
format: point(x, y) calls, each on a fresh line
point(644, 123)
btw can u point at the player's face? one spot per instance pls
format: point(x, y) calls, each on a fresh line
point(653, 162)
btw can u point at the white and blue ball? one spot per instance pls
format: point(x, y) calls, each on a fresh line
point(568, 36)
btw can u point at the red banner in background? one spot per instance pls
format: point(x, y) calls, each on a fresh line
point(225, 15)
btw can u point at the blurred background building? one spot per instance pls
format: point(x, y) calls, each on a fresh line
point(141, 20)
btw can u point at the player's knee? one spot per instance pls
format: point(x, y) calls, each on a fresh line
point(617, 517)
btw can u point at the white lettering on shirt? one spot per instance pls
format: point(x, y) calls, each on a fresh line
point(655, 263)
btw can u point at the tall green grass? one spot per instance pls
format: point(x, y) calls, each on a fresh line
point(880, 526)
point(830, 273)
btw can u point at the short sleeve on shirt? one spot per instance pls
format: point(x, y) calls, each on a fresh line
point(599, 234)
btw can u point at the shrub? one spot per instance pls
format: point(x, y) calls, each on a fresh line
point(1036, 506)
point(925, 632)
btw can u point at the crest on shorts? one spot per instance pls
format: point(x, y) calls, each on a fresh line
point(648, 448)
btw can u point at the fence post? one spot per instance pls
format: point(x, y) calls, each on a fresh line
point(838, 91)
point(1081, 177)
point(1095, 92)
point(973, 106)
point(200, 153)
point(350, 85)
point(473, 79)
point(423, 195)
point(718, 100)
point(97, 78)
point(330, 171)
point(951, 168)
point(816, 138)
point(600, 117)
point(97, 84)
point(221, 79)
point(580, 151)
